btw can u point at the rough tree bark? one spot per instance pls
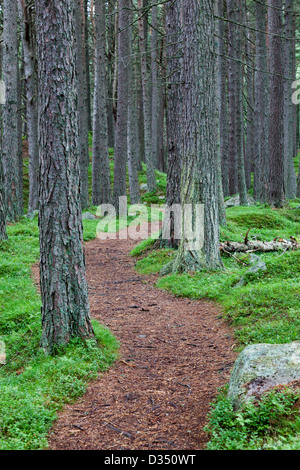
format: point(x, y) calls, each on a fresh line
point(101, 182)
point(261, 162)
point(223, 97)
point(250, 116)
point(10, 146)
point(154, 85)
point(174, 115)
point(122, 104)
point(200, 116)
point(65, 306)
point(151, 181)
point(30, 70)
point(290, 182)
point(110, 71)
point(133, 137)
point(276, 157)
point(232, 96)
point(79, 20)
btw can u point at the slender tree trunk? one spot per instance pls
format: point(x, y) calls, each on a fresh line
point(87, 65)
point(110, 71)
point(154, 85)
point(30, 70)
point(223, 98)
point(241, 17)
point(276, 156)
point(65, 306)
point(3, 234)
point(10, 146)
point(101, 182)
point(151, 181)
point(122, 106)
point(290, 182)
point(133, 138)
point(199, 188)
point(232, 96)
point(20, 89)
point(250, 118)
point(79, 19)
point(262, 87)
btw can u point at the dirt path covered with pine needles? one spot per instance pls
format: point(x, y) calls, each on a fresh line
point(175, 354)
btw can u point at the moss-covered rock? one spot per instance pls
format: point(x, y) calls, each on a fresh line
point(260, 367)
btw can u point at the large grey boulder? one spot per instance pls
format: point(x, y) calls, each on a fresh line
point(260, 367)
point(235, 201)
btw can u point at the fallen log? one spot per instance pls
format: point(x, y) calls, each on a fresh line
point(279, 244)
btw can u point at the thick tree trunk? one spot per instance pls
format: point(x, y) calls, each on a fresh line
point(151, 181)
point(174, 115)
point(101, 182)
point(122, 106)
point(276, 156)
point(290, 182)
point(65, 306)
point(199, 245)
point(30, 70)
point(10, 146)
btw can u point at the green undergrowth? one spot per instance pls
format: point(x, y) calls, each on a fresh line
point(265, 309)
point(34, 386)
point(273, 423)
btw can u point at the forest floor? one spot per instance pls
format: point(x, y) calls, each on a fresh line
point(174, 355)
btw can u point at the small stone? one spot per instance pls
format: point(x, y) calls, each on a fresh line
point(88, 216)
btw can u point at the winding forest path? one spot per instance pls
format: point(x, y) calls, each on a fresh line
point(175, 353)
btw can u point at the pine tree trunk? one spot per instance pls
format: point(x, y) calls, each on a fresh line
point(79, 19)
point(30, 70)
point(290, 182)
point(223, 98)
point(250, 117)
point(276, 157)
point(199, 188)
point(133, 138)
point(174, 115)
point(232, 96)
point(154, 85)
point(3, 235)
point(151, 181)
point(10, 146)
point(110, 71)
point(65, 306)
point(122, 106)
point(241, 17)
point(101, 182)
point(261, 163)
point(19, 136)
